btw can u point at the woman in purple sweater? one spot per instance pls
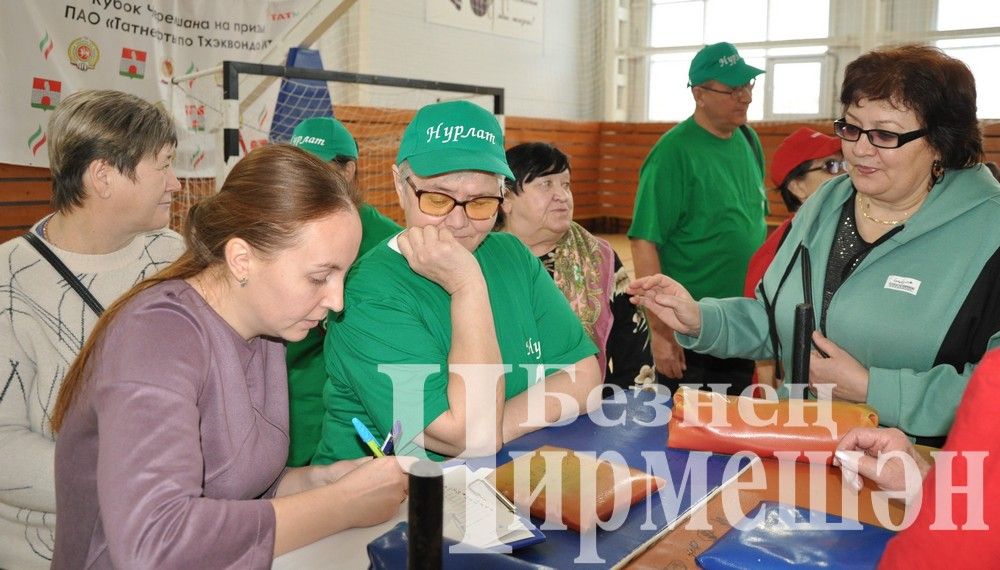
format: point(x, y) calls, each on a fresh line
point(173, 421)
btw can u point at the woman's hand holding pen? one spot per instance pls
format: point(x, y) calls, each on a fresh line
point(366, 495)
point(376, 487)
point(669, 301)
point(300, 479)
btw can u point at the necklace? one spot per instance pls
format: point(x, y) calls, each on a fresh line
point(867, 206)
point(45, 231)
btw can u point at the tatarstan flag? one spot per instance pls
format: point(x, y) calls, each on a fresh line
point(45, 46)
point(36, 140)
point(197, 157)
point(133, 63)
point(45, 93)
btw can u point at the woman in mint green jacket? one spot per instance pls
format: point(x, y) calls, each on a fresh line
point(904, 272)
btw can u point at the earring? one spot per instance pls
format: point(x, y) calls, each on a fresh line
point(937, 172)
point(243, 281)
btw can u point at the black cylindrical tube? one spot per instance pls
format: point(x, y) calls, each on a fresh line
point(425, 516)
point(805, 322)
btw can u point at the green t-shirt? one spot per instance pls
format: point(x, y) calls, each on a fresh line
point(306, 370)
point(375, 227)
point(701, 200)
point(396, 317)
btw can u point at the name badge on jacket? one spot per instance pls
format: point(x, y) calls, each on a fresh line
point(904, 284)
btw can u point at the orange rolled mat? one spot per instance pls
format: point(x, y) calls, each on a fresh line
point(707, 421)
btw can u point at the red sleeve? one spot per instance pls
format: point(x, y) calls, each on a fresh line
point(761, 260)
point(955, 541)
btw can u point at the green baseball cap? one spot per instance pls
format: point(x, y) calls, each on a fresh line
point(722, 63)
point(325, 137)
point(453, 136)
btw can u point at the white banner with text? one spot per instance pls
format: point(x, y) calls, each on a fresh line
point(50, 49)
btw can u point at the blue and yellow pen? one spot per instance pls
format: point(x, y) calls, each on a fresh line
point(367, 437)
point(389, 447)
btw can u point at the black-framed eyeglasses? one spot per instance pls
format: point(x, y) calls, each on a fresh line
point(736, 92)
point(878, 137)
point(438, 204)
point(830, 166)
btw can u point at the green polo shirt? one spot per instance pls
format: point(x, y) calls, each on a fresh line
point(701, 200)
point(306, 370)
point(375, 227)
point(390, 347)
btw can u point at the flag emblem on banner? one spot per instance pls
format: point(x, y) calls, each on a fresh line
point(133, 63)
point(45, 93)
point(45, 46)
point(84, 53)
point(191, 69)
point(197, 157)
point(36, 140)
point(195, 116)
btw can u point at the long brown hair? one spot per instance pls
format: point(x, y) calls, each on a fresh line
point(265, 200)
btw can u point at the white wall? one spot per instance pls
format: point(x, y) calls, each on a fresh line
point(555, 78)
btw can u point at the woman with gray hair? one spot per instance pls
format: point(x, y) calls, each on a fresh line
point(111, 156)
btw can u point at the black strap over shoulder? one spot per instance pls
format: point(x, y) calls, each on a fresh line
point(59, 266)
point(801, 255)
point(757, 153)
point(770, 308)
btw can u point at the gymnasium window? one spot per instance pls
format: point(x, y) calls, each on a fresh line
point(980, 49)
point(792, 35)
point(804, 45)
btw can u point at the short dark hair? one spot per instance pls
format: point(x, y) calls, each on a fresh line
point(340, 163)
point(792, 201)
point(938, 88)
point(529, 161)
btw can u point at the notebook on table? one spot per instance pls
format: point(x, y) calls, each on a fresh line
point(478, 515)
point(630, 430)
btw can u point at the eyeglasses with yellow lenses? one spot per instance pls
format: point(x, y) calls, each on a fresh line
point(438, 204)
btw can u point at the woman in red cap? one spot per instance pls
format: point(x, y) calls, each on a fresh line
point(801, 164)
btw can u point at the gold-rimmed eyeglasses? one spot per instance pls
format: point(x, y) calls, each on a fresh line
point(439, 204)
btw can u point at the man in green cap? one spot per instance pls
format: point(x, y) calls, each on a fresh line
point(700, 206)
point(450, 329)
point(330, 140)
